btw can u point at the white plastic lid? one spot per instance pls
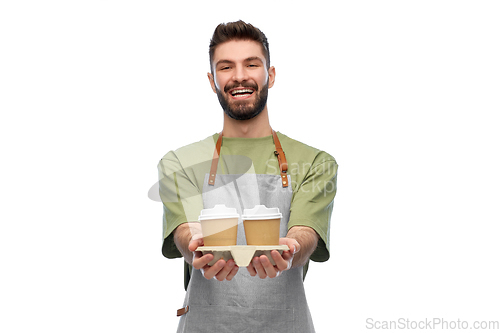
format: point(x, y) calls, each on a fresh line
point(218, 212)
point(261, 212)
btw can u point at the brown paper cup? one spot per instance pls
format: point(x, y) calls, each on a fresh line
point(262, 225)
point(219, 225)
point(262, 232)
point(219, 232)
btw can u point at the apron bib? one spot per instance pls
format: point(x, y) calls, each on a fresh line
point(247, 303)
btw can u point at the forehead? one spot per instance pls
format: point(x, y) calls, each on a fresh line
point(238, 50)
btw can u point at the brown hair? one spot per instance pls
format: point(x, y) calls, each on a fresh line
point(238, 31)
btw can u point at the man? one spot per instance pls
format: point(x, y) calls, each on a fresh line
point(249, 164)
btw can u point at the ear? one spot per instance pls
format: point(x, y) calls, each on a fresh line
point(272, 76)
point(212, 82)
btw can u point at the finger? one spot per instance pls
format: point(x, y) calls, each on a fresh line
point(270, 270)
point(280, 261)
point(200, 261)
point(288, 257)
point(294, 246)
point(251, 269)
point(233, 272)
point(195, 243)
point(210, 272)
point(228, 267)
point(258, 267)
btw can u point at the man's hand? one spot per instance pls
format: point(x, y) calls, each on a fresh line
point(188, 238)
point(301, 240)
point(221, 270)
point(262, 267)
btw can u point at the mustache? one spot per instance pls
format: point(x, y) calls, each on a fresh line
point(247, 85)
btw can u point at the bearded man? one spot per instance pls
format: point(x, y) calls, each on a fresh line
point(246, 165)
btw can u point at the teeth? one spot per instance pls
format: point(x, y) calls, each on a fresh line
point(241, 91)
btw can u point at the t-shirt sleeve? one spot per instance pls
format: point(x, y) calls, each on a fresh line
point(181, 198)
point(312, 203)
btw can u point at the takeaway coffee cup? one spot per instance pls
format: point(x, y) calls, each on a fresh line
point(219, 226)
point(262, 225)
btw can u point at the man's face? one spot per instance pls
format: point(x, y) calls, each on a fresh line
point(240, 78)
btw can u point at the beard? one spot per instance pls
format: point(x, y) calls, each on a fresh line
point(242, 109)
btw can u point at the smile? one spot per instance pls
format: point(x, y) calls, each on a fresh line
point(241, 93)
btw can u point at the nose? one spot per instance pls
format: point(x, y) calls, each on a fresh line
point(240, 74)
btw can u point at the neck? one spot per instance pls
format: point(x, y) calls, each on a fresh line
point(256, 127)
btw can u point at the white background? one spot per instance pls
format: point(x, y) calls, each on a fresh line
point(404, 94)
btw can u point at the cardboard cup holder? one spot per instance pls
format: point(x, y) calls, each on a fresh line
point(241, 254)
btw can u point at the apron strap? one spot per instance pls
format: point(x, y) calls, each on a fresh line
point(215, 161)
point(280, 154)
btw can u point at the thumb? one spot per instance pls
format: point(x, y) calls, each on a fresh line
point(294, 246)
point(195, 243)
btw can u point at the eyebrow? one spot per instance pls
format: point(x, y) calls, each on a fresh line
point(225, 61)
point(253, 58)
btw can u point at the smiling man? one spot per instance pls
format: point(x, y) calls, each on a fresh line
point(240, 76)
point(278, 172)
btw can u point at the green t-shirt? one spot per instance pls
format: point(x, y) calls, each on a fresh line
point(313, 180)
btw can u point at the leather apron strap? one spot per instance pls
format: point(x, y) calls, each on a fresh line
point(280, 154)
point(215, 161)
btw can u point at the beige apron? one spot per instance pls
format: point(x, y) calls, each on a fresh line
point(247, 303)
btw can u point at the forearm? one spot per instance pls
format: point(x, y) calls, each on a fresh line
point(183, 234)
point(308, 241)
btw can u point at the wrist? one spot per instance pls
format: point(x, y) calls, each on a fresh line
point(183, 235)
